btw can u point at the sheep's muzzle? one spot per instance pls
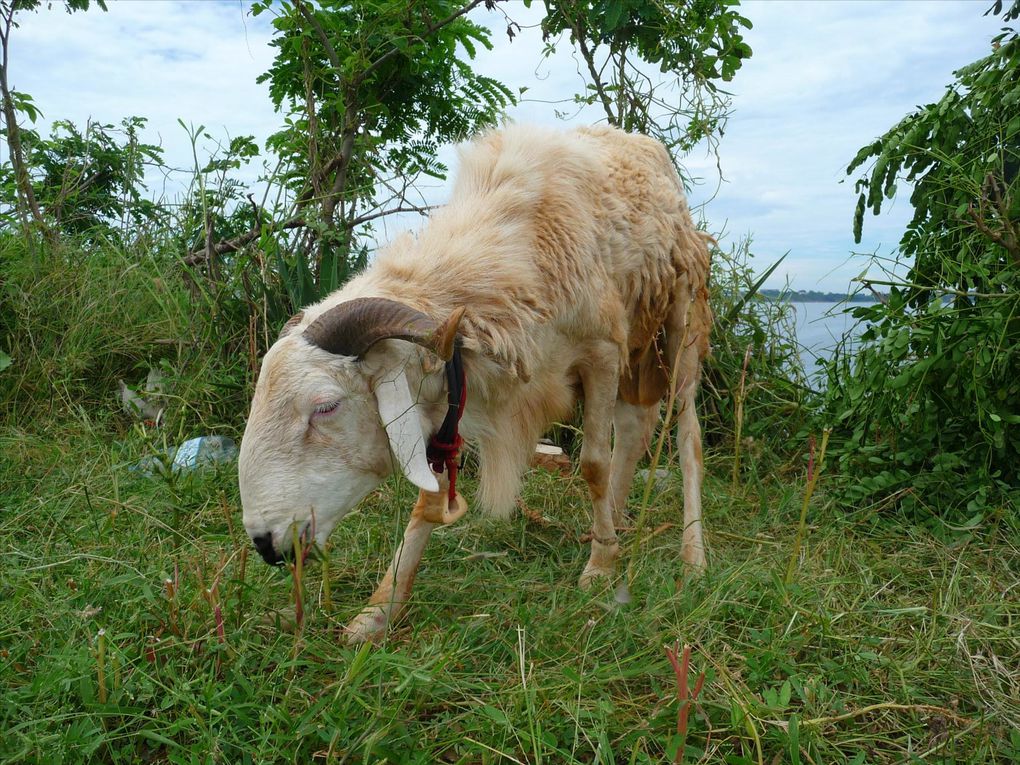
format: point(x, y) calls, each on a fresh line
point(264, 544)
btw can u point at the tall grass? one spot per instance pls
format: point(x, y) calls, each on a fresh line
point(754, 398)
point(76, 321)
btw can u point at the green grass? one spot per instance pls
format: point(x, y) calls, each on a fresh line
point(891, 645)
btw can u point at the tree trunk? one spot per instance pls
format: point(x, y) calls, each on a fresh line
point(25, 194)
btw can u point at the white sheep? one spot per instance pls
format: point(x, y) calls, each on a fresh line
point(565, 265)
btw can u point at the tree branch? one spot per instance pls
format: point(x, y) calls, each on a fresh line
point(589, 59)
point(26, 194)
point(314, 171)
point(233, 245)
point(331, 53)
point(940, 290)
point(382, 213)
point(343, 161)
point(1007, 241)
point(621, 95)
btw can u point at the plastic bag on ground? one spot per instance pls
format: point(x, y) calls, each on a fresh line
point(204, 451)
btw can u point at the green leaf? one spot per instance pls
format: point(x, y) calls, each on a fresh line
point(753, 290)
point(495, 715)
point(614, 11)
point(784, 694)
point(158, 738)
point(859, 218)
point(793, 731)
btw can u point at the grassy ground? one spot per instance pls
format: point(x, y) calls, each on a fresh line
point(891, 645)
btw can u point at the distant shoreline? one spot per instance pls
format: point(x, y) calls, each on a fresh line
point(812, 296)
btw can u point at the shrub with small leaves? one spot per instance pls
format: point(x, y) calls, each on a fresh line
point(925, 406)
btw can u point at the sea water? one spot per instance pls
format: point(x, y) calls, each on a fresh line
point(820, 326)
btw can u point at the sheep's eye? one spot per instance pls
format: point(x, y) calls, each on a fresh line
point(327, 408)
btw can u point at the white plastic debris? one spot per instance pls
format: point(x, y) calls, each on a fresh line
point(662, 477)
point(201, 452)
point(205, 450)
point(148, 407)
point(137, 406)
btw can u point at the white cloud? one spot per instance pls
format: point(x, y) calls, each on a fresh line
point(825, 79)
point(195, 61)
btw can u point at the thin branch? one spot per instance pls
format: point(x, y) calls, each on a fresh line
point(331, 53)
point(391, 211)
point(314, 171)
point(1007, 242)
point(255, 209)
point(210, 256)
point(621, 94)
point(235, 244)
point(343, 161)
point(878, 295)
point(587, 55)
point(942, 290)
point(27, 202)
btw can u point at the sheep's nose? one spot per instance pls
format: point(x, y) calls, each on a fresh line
point(264, 544)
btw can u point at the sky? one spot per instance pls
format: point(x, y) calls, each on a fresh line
point(825, 79)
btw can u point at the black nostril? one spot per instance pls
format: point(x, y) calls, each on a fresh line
point(264, 544)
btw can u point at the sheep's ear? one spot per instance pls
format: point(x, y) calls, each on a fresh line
point(403, 426)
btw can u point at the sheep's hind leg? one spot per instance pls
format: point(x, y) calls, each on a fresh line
point(633, 426)
point(688, 444)
point(599, 379)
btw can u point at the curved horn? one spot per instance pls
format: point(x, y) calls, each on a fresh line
point(352, 328)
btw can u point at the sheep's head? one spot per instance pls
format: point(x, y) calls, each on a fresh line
point(332, 416)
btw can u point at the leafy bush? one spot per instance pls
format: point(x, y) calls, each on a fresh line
point(88, 182)
point(697, 46)
point(925, 407)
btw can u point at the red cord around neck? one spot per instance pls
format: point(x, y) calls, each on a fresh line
point(443, 450)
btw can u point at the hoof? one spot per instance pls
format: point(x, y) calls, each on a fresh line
point(367, 627)
point(593, 574)
point(694, 557)
point(601, 564)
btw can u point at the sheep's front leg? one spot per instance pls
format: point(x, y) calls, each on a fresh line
point(394, 591)
point(600, 382)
